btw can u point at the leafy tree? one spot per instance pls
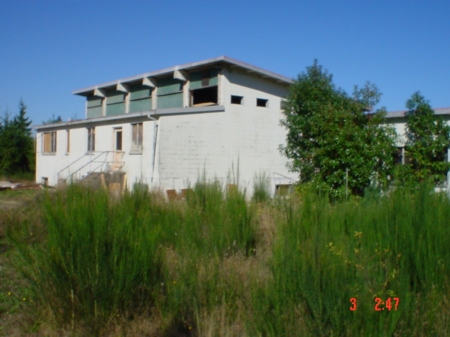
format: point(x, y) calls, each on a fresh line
point(16, 143)
point(427, 141)
point(330, 133)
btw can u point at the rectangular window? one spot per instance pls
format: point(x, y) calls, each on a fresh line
point(94, 106)
point(140, 98)
point(407, 158)
point(203, 78)
point(118, 139)
point(236, 99)
point(91, 139)
point(398, 157)
point(137, 136)
point(261, 102)
point(115, 103)
point(283, 189)
point(49, 145)
point(204, 97)
point(169, 93)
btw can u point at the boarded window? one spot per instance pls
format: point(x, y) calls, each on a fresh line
point(140, 98)
point(94, 106)
point(91, 139)
point(137, 136)
point(170, 93)
point(283, 189)
point(49, 139)
point(203, 78)
point(115, 103)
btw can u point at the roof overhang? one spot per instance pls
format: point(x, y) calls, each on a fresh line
point(402, 114)
point(127, 118)
point(180, 72)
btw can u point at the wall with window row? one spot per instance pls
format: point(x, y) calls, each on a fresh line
point(168, 93)
point(138, 159)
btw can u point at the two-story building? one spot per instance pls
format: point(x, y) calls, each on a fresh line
point(168, 127)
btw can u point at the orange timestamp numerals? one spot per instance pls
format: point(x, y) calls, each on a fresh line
point(380, 305)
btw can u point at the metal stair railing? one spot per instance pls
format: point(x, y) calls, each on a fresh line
point(102, 164)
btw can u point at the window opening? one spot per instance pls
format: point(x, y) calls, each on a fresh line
point(407, 158)
point(236, 99)
point(204, 96)
point(399, 158)
point(50, 142)
point(283, 189)
point(261, 102)
point(118, 133)
point(91, 139)
point(137, 137)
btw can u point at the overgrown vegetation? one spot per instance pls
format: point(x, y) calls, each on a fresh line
point(427, 143)
point(340, 146)
point(332, 143)
point(16, 144)
point(216, 265)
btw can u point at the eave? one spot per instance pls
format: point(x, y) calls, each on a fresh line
point(180, 72)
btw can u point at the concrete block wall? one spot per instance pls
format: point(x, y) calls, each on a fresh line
point(244, 139)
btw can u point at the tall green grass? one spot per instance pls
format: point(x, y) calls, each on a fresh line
point(102, 257)
point(99, 258)
point(387, 247)
point(216, 265)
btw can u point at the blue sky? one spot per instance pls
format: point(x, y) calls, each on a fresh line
point(51, 47)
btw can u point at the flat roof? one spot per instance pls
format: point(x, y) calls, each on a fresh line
point(124, 118)
point(402, 113)
point(189, 66)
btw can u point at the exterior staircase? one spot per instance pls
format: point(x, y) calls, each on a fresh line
point(114, 182)
point(95, 169)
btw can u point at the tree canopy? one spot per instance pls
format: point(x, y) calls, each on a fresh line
point(427, 141)
point(16, 143)
point(330, 133)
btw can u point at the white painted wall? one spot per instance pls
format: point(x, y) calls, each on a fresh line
point(137, 166)
point(236, 144)
point(243, 139)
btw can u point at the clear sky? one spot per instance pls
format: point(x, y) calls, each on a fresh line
point(51, 47)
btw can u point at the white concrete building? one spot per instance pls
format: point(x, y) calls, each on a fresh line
point(166, 127)
point(398, 120)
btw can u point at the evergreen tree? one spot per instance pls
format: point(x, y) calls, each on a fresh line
point(16, 143)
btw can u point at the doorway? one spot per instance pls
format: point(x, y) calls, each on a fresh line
point(117, 154)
